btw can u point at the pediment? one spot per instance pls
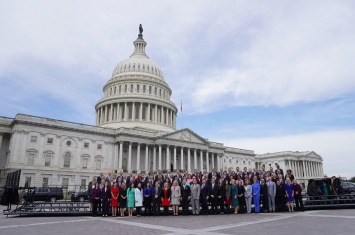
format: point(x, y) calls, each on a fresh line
point(312, 154)
point(185, 135)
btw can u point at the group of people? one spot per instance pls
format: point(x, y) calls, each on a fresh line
point(222, 192)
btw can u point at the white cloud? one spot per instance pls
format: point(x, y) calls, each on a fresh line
point(336, 147)
point(300, 54)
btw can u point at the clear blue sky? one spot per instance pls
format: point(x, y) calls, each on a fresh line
point(263, 75)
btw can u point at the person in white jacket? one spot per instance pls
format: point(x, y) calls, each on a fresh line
point(138, 195)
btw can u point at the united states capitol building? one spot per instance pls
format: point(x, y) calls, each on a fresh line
point(135, 131)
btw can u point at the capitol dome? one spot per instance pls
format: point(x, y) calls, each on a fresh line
point(137, 95)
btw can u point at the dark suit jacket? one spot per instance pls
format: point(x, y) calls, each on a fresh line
point(156, 193)
point(221, 191)
point(214, 191)
point(105, 195)
point(205, 191)
point(185, 193)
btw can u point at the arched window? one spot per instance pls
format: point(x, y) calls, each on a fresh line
point(115, 90)
point(159, 92)
point(67, 157)
point(155, 91)
point(138, 88)
point(150, 90)
point(111, 91)
point(119, 89)
point(131, 87)
point(125, 88)
point(143, 88)
point(164, 94)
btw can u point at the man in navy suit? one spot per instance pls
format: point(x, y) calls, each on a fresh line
point(205, 194)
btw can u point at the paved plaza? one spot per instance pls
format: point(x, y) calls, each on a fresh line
point(304, 223)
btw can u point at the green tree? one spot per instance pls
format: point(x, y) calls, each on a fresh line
point(352, 179)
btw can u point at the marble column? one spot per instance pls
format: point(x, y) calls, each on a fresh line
point(148, 114)
point(154, 159)
point(141, 112)
point(125, 112)
point(120, 157)
point(146, 159)
point(167, 157)
point(212, 161)
point(208, 161)
point(138, 156)
point(115, 159)
point(105, 111)
point(129, 164)
point(175, 162)
point(156, 114)
point(188, 160)
point(159, 157)
point(195, 159)
point(118, 113)
point(111, 112)
point(182, 159)
point(201, 160)
point(133, 111)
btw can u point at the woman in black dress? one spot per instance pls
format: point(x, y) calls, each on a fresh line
point(264, 195)
point(241, 198)
point(123, 198)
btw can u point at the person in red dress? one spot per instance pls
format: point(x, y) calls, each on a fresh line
point(165, 199)
point(114, 198)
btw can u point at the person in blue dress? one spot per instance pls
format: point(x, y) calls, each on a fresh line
point(289, 194)
point(256, 194)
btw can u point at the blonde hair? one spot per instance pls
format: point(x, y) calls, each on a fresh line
point(175, 183)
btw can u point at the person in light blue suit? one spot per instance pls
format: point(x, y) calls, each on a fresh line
point(256, 194)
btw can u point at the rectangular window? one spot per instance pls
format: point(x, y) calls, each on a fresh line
point(99, 146)
point(47, 160)
point(86, 145)
point(85, 163)
point(65, 183)
point(66, 161)
point(31, 159)
point(50, 141)
point(27, 181)
point(137, 112)
point(83, 184)
point(45, 182)
point(98, 164)
point(33, 138)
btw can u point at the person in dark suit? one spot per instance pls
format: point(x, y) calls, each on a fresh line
point(213, 196)
point(220, 196)
point(298, 196)
point(185, 196)
point(105, 196)
point(99, 178)
point(279, 169)
point(205, 193)
point(156, 194)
